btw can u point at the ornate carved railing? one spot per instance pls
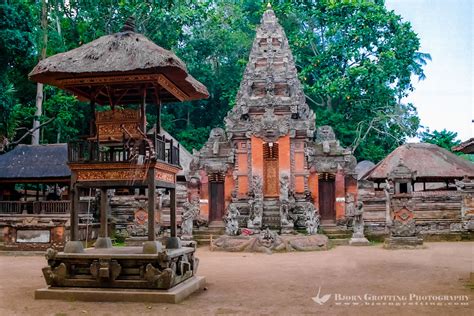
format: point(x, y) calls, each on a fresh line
point(91, 151)
point(35, 207)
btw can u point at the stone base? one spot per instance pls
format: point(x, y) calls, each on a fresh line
point(173, 243)
point(403, 242)
point(173, 295)
point(280, 243)
point(359, 242)
point(74, 247)
point(103, 242)
point(152, 247)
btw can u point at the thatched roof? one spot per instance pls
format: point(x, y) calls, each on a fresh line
point(466, 147)
point(362, 168)
point(35, 163)
point(428, 160)
point(119, 54)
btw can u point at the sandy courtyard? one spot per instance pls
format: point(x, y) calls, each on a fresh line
point(282, 284)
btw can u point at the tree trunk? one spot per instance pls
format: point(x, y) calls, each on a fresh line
point(39, 88)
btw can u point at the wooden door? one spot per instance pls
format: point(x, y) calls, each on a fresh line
point(271, 174)
point(327, 198)
point(217, 203)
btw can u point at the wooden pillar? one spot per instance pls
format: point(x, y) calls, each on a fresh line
point(74, 213)
point(103, 212)
point(173, 212)
point(151, 204)
point(37, 192)
point(143, 111)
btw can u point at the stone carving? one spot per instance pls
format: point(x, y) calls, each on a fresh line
point(256, 213)
point(105, 269)
point(157, 278)
point(284, 187)
point(191, 211)
point(311, 218)
point(55, 275)
point(358, 238)
point(350, 205)
point(216, 136)
point(270, 126)
point(257, 187)
point(231, 220)
point(403, 233)
point(269, 242)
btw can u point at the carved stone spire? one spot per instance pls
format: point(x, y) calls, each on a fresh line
point(270, 80)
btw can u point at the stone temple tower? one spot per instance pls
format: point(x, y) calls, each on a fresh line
point(270, 153)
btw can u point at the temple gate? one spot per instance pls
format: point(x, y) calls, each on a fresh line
point(271, 157)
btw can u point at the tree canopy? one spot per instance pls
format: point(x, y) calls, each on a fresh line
point(356, 60)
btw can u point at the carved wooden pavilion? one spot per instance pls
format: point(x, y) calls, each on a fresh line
point(121, 70)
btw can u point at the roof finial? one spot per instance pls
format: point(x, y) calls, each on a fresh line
point(269, 5)
point(129, 25)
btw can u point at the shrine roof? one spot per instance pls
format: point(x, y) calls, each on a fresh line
point(363, 167)
point(466, 147)
point(121, 54)
point(35, 162)
point(428, 160)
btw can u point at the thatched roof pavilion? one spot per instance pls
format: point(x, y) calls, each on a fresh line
point(35, 164)
point(431, 163)
point(109, 69)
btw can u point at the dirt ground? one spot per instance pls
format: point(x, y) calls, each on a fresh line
point(283, 284)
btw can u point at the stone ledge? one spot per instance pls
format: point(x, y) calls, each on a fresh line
point(173, 295)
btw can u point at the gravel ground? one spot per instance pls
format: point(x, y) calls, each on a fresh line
point(283, 284)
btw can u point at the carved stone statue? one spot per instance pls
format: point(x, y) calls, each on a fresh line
point(350, 206)
point(311, 218)
point(191, 211)
point(358, 238)
point(284, 187)
point(216, 136)
point(358, 223)
point(256, 214)
point(257, 187)
point(231, 220)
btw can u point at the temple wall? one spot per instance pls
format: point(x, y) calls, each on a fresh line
point(284, 159)
point(340, 196)
point(435, 212)
point(204, 202)
point(242, 168)
point(313, 184)
point(257, 156)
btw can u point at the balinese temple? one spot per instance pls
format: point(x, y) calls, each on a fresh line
point(270, 152)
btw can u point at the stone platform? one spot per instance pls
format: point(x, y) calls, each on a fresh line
point(403, 242)
point(273, 243)
point(173, 295)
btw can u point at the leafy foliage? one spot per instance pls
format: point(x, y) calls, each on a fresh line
point(355, 59)
point(444, 139)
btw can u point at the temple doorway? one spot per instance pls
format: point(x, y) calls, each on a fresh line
point(327, 196)
point(271, 181)
point(216, 196)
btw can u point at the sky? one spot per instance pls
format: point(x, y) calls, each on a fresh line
point(445, 27)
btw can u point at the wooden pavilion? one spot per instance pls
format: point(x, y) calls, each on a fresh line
point(125, 71)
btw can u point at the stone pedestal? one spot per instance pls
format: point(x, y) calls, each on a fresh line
point(403, 242)
point(152, 247)
point(74, 247)
point(358, 241)
point(103, 242)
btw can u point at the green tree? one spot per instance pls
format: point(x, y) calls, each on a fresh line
point(444, 139)
point(356, 60)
